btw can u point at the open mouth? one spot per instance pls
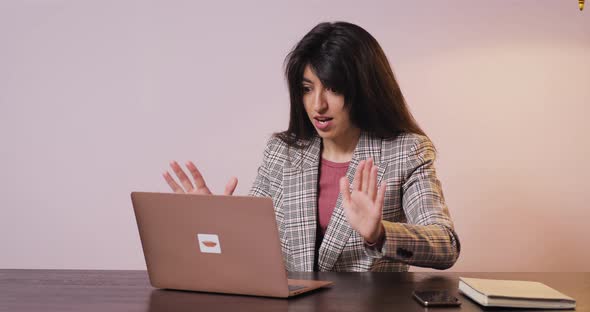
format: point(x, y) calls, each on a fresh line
point(323, 120)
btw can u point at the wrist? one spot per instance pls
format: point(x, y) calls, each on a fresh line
point(377, 237)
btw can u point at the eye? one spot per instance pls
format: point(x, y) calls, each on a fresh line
point(333, 90)
point(306, 89)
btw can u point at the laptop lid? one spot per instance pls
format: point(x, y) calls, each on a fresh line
point(225, 244)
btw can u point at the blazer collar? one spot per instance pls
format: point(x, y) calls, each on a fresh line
point(367, 146)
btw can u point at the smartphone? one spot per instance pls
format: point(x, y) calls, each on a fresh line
point(436, 298)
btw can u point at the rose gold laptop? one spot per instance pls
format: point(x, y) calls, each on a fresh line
point(223, 244)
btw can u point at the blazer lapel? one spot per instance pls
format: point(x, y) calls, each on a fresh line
point(339, 231)
point(300, 191)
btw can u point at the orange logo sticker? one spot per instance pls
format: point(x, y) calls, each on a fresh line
point(209, 243)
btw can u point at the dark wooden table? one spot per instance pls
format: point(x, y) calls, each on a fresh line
point(88, 290)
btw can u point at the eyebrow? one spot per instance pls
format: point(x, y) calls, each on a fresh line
point(307, 80)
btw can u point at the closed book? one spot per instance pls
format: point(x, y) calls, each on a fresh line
point(515, 294)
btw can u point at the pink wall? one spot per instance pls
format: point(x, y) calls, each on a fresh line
point(97, 96)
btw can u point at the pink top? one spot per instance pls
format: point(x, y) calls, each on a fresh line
point(328, 190)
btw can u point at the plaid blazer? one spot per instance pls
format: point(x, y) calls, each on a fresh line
point(418, 227)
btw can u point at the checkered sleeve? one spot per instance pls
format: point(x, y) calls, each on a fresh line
point(428, 238)
point(261, 185)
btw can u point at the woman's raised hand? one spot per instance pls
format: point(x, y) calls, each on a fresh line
point(199, 186)
point(363, 206)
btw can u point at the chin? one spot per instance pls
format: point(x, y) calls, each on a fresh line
point(325, 135)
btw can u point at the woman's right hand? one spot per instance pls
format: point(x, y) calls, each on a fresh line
point(199, 187)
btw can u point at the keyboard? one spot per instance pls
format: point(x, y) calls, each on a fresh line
point(295, 287)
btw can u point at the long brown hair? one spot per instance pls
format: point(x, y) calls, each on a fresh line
point(347, 59)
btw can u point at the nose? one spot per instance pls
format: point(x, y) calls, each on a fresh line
point(320, 102)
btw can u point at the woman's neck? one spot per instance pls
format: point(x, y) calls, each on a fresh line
point(340, 149)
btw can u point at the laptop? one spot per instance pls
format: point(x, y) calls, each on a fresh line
point(213, 243)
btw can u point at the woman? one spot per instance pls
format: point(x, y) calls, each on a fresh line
point(352, 178)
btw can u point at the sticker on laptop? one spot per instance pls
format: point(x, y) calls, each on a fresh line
point(209, 243)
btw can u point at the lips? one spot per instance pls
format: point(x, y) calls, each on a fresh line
point(322, 123)
point(209, 243)
point(322, 118)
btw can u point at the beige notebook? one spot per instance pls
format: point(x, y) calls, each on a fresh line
point(516, 294)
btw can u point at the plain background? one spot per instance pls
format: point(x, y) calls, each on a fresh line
point(96, 97)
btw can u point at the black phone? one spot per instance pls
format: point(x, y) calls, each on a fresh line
point(436, 298)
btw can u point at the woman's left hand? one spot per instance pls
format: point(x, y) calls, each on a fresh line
point(363, 206)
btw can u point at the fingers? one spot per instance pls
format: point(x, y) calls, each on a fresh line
point(365, 178)
point(200, 186)
point(230, 187)
point(184, 180)
point(197, 176)
point(366, 172)
point(358, 177)
point(173, 185)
